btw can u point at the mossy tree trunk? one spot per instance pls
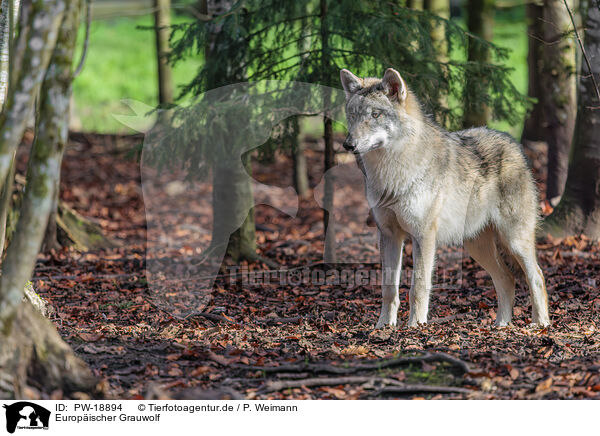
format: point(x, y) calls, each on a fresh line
point(579, 207)
point(32, 350)
point(480, 22)
point(554, 85)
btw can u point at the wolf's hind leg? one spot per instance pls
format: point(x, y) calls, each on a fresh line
point(484, 250)
point(391, 246)
point(523, 249)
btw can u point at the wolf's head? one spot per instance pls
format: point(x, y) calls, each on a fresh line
point(381, 113)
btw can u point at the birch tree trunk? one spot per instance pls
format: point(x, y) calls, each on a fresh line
point(579, 207)
point(31, 348)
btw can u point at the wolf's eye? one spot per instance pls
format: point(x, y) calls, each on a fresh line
point(375, 114)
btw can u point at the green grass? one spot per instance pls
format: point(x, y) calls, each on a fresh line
point(121, 65)
point(510, 31)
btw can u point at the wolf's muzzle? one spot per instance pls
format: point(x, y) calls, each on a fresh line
point(348, 144)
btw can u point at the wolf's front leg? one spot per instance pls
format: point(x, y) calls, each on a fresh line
point(423, 259)
point(390, 246)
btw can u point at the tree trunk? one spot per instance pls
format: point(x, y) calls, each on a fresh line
point(437, 31)
point(28, 67)
point(65, 226)
point(233, 198)
point(233, 211)
point(329, 157)
point(532, 130)
point(32, 350)
point(480, 22)
point(328, 193)
point(5, 41)
point(4, 49)
point(51, 235)
point(415, 4)
point(162, 22)
point(299, 161)
point(554, 82)
point(579, 207)
point(5, 204)
point(441, 8)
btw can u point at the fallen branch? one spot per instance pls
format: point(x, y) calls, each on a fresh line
point(396, 386)
point(284, 320)
point(211, 316)
point(281, 385)
point(331, 369)
point(413, 389)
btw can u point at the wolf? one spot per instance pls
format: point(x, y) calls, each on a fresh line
point(470, 187)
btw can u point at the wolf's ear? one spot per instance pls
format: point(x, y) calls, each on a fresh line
point(350, 82)
point(394, 86)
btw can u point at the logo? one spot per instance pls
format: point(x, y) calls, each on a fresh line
point(26, 415)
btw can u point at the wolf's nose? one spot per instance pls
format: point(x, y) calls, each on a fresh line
point(347, 145)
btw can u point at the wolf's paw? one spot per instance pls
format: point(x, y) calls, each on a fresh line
point(384, 321)
point(502, 323)
point(415, 323)
point(537, 325)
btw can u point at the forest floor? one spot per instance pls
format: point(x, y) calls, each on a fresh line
point(304, 341)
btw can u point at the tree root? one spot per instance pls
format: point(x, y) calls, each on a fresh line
point(80, 231)
point(35, 359)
